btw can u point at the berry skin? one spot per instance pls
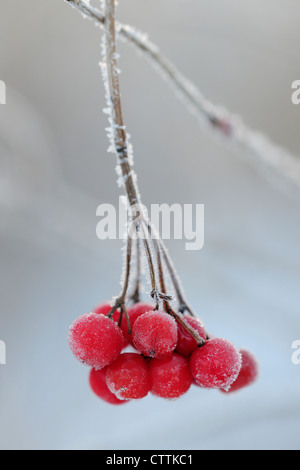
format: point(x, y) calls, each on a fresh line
point(248, 373)
point(134, 312)
point(155, 334)
point(95, 340)
point(186, 343)
point(216, 364)
point(97, 381)
point(170, 377)
point(105, 308)
point(128, 377)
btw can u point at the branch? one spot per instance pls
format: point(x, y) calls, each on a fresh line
point(116, 132)
point(211, 117)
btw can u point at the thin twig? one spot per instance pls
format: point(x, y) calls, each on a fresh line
point(156, 294)
point(265, 153)
point(183, 304)
point(178, 316)
point(161, 276)
point(120, 301)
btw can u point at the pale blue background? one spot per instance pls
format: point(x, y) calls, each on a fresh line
point(55, 171)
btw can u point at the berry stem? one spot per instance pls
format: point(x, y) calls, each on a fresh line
point(183, 305)
point(135, 296)
point(178, 316)
point(120, 302)
point(165, 298)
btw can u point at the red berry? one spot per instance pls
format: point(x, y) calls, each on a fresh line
point(104, 308)
point(248, 373)
point(134, 312)
point(97, 380)
point(216, 364)
point(186, 343)
point(95, 340)
point(128, 377)
point(170, 377)
point(155, 334)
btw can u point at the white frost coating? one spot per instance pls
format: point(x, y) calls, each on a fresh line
point(122, 179)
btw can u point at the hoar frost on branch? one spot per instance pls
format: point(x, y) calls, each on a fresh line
point(265, 154)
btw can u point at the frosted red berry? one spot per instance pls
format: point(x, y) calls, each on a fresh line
point(95, 340)
point(186, 344)
point(128, 377)
point(170, 377)
point(155, 334)
point(103, 308)
point(248, 373)
point(97, 381)
point(216, 364)
point(134, 312)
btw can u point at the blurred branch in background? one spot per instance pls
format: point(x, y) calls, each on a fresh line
point(265, 155)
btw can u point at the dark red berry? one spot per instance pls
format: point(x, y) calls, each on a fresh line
point(248, 373)
point(128, 377)
point(170, 377)
point(216, 364)
point(155, 334)
point(95, 340)
point(186, 344)
point(97, 380)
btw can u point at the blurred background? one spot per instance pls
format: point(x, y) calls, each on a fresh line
point(55, 171)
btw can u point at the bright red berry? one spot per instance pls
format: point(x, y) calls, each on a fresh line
point(248, 373)
point(170, 377)
point(133, 313)
point(105, 309)
point(186, 343)
point(97, 380)
point(95, 340)
point(216, 364)
point(155, 334)
point(128, 377)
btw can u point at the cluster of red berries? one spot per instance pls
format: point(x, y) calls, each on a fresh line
point(165, 358)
